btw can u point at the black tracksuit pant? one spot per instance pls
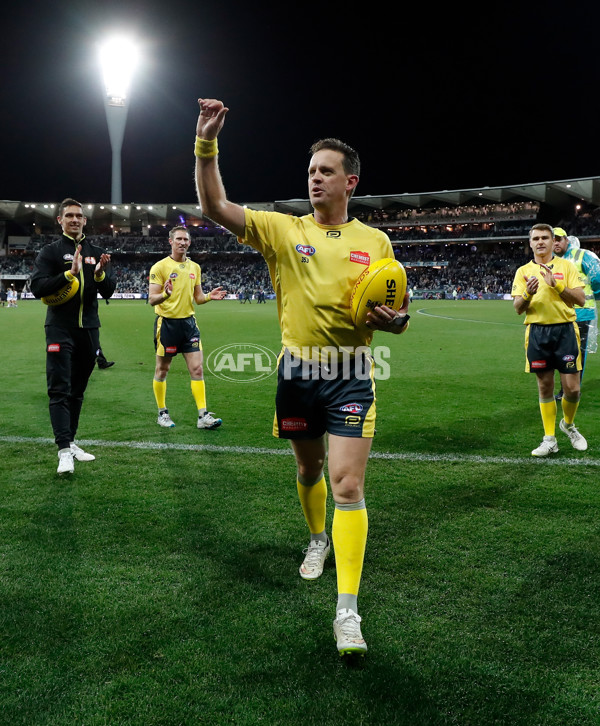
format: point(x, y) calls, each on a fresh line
point(70, 360)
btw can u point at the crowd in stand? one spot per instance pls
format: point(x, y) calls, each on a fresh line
point(427, 242)
point(429, 267)
point(472, 269)
point(526, 210)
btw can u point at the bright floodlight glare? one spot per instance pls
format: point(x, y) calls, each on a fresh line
point(118, 58)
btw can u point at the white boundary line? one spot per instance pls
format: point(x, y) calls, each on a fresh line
point(263, 451)
point(423, 311)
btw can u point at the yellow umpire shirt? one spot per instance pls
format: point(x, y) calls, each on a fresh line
point(546, 306)
point(313, 270)
point(184, 276)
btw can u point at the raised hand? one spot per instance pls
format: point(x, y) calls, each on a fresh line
point(211, 118)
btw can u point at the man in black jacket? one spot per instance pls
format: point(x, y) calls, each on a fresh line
point(68, 274)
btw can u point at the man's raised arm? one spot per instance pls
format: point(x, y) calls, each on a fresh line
point(209, 185)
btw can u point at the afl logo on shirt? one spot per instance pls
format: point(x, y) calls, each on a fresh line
point(173, 275)
point(306, 250)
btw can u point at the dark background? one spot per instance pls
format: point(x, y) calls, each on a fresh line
point(467, 96)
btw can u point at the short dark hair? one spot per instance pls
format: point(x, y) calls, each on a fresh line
point(175, 229)
point(350, 162)
point(68, 202)
point(541, 226)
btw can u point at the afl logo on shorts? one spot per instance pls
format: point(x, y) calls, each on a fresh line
point(306, 250)
point(351, 408)
point(567, 358)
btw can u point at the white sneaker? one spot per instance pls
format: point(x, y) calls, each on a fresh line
point(576, 439)
point(316, 554)
point(80, 454)
point(208, 421)
point(346, 629)
point(65, 462)
point(548, 446)
point(165, 420)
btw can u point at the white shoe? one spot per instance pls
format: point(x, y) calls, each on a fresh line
point(316, 554)
point(576, 439)
point(208, 421)
point(165, 420)
point(548, 446)
point(80, 454)
point(346, 629)
point(65, 462)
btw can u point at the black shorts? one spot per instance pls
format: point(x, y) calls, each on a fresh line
point(313, 399)
point(552, 347)
point(176, 335)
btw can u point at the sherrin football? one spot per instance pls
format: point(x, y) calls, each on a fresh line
point(65, 293)
point(382, 283)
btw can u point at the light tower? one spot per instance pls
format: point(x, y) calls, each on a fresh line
point(118, 58)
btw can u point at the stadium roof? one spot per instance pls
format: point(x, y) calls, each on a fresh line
point(558, 194)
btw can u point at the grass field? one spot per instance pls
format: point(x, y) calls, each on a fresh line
point(159, 584)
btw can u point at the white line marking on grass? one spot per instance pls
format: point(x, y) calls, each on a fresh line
point(423, 311)
point(263, 451)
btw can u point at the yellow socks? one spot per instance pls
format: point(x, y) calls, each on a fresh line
point(349, 534)
point(548, 411)
point(199, 394)
point(160, 393)
point(569, 409)
point(314, 502)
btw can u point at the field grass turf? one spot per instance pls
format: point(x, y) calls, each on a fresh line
point(159, 584)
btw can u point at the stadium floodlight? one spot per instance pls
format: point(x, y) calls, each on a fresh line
point(118, 59)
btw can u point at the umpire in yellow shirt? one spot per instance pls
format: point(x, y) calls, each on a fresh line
point(314, 261)
point(175, 285)
point(546, 289)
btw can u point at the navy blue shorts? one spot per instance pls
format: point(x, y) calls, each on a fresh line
point(313, 399)
point(552, 347)
point(176, 335)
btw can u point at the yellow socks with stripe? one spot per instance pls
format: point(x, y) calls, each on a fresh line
point(569, 409)
point(199, 394)
point(160, 393)
point(313, 498)
point(548, 411)
point(349, 534)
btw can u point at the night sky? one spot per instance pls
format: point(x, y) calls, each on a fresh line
point(466, 96)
